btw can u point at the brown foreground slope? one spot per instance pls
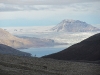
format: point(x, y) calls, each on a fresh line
point(88, 50)
point(10, 40)
point(14, 65)
point(23, 42)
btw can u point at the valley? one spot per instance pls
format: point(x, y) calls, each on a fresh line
point(26, 38)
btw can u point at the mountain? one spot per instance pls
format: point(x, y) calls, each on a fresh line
point(37, 42)
point(88, 49)
point(23, 42)
point(11, 51)
point(74, 26)
point(13, 41)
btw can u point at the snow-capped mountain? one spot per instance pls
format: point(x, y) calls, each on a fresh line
point(81, 30)
point(74, 26)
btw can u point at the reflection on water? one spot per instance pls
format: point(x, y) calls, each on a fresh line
point(44, 50)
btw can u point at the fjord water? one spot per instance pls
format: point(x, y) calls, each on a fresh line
point(41, 51)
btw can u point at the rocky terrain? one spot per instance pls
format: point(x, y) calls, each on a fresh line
point(87, 50)
point(11, 51)
point(16, 65)
point(73, 26)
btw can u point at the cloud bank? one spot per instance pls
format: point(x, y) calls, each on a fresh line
point(48, 10)
point(44, 2)
point(20, 5)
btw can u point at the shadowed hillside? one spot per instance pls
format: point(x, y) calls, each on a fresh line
point(88, 49)
point(11, 51)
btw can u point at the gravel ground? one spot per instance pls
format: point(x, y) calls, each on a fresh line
point(14, 65)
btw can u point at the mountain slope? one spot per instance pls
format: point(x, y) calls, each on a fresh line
point(73, 26)
point(11, 51)
point(39, 42)
point(10, 40)
point(23, 42)
point(88, 49)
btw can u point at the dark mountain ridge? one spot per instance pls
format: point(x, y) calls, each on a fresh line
point(11, 51)
point(88, 49)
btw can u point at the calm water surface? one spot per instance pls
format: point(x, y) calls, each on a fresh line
point(44, 50)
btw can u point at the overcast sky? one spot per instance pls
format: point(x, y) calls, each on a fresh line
point(48, 12)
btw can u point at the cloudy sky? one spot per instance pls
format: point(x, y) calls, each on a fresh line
point(48, 12)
